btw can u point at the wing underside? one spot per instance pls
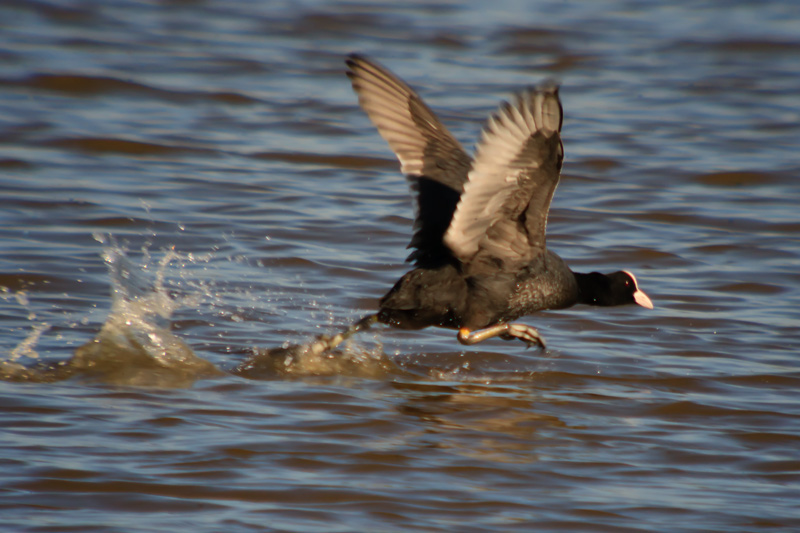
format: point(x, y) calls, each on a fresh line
point(503, 209)
point(429, 155)
point(497, 203)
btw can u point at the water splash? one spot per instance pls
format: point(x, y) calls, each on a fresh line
point(297, 361)
point(320, 357)
point(26, 348)
point(134, 345)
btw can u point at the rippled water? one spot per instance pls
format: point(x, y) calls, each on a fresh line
point(187, 185)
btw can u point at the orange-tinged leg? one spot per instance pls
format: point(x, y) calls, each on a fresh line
point(523, 332)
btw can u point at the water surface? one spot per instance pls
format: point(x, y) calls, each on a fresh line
point(191, 184)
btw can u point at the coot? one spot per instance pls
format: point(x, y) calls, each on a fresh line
point(479, 242)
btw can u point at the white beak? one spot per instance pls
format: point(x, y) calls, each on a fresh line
point(641, 298)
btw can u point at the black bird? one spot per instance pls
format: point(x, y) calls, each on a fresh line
point(479, 242)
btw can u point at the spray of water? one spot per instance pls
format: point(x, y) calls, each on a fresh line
point(135, 345)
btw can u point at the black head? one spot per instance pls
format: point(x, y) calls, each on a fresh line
point(618, 288)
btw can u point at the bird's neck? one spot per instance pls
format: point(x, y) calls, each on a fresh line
point(594, 289)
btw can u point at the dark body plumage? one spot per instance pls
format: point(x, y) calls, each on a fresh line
point(479, 242)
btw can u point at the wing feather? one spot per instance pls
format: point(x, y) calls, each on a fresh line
point(429, 155)
point(420, 141)
point(504, 206)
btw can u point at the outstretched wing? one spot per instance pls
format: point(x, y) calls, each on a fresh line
point(503, 209)
point(429, 155)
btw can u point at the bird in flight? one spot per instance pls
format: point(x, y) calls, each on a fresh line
point(479, 248)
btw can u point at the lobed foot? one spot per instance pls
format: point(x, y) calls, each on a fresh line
point(527, 334)
point(324, 343)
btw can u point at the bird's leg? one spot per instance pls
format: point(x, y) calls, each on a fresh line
point(323, 343)
point(523, 332)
